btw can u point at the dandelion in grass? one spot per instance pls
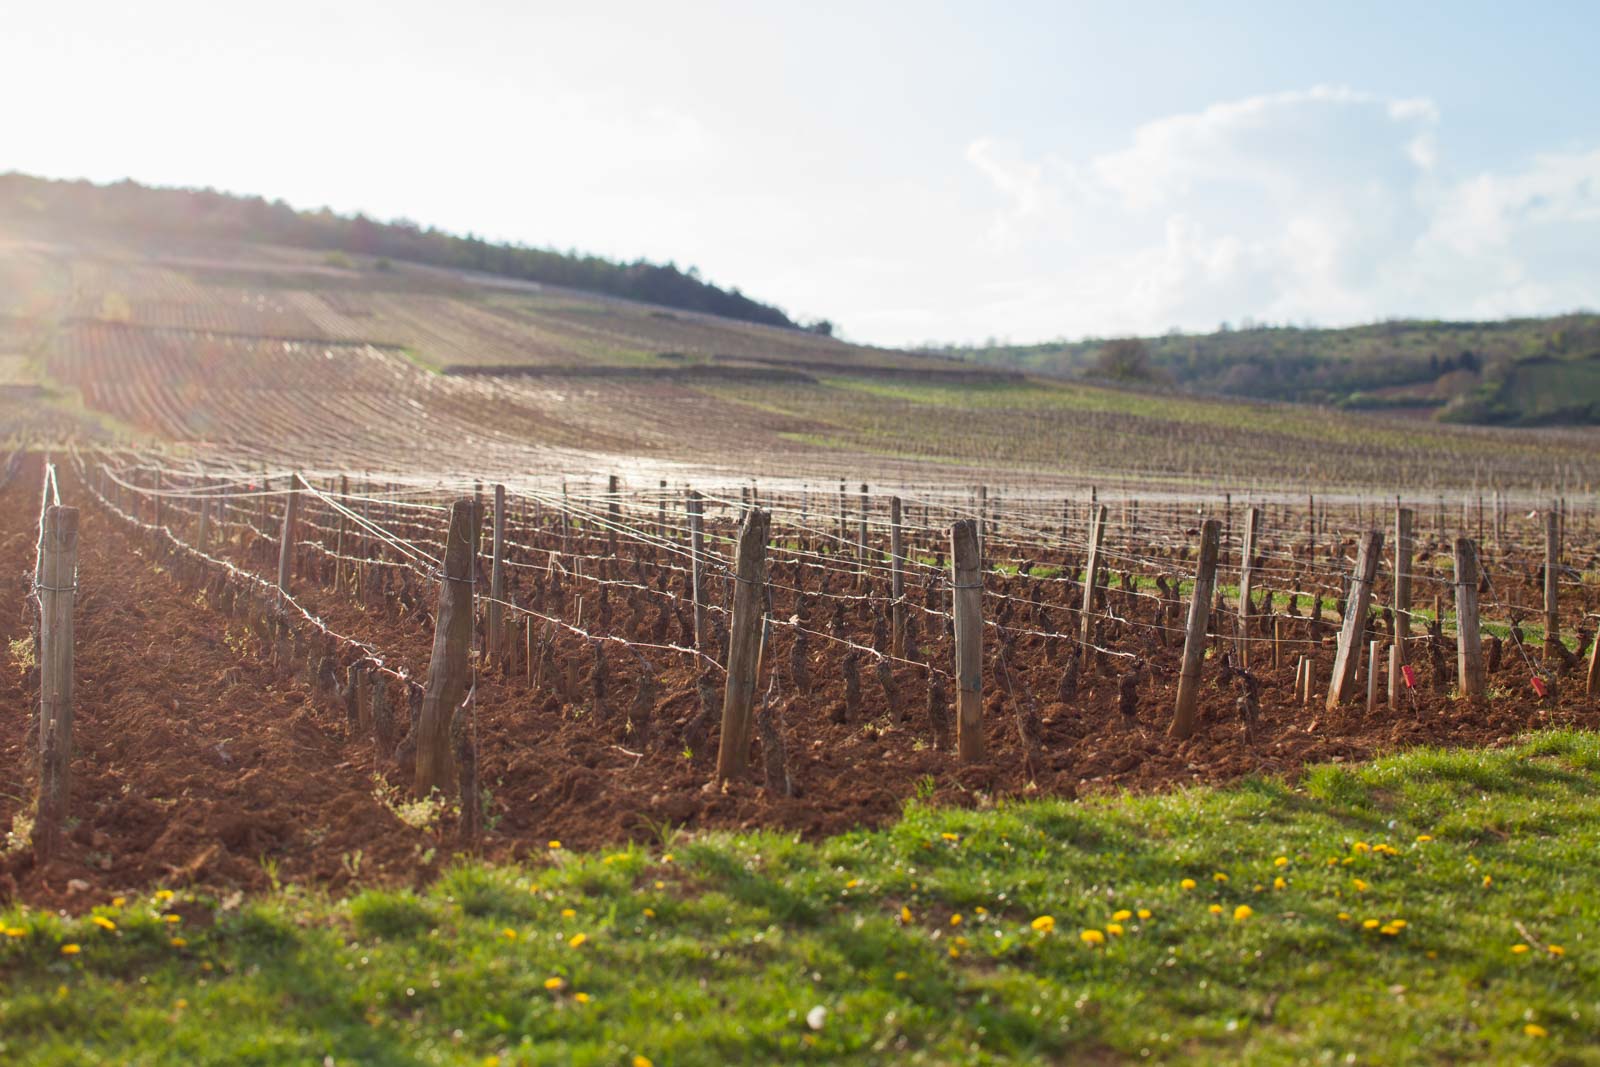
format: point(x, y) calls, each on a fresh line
point(852, 883)
point(649, 913)
point(554, 845)
point(15, 931)
point(581, 998)
point(901, 976)
point(1535, 1030)
point(1344, 916)
point(1219, 877)
point(642, 1061)
point(1281, 861)
point(1370, 924)
point(1517, 950)
point(178, 942)
point(1555, 950)
point(906, 918)
point(1044, 923)
point(951, 837)
point(1121, 915)
point(955, 953)
point(577, 940)
point(1360, 848)
point(1242, 912)
point(1092, 937)
point(955, 920)
point(1279, 883)
point(1114, 929)
point(569, 913)
point(1187, 884)
point(1488, 880)
point(1215, 909)
point(71, 950)
point(117, 902)
point(553, 983)
point(1423, 839)
point(172, 918)
point(163, 895)
point(1144, 913)
point(509, 934)
point(1359, 885)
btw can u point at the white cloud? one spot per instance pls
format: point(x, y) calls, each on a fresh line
point(1325, 204)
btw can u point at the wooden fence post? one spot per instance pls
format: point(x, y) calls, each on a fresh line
point(744, 644)
point(1247, 578)
point(286, 541)
point(1469, 642)
point(967, 601)
point(497, 579)
point(1552, 575)
point(1097, 526)
point(897, 579)
point(449, 669)
point(697, 571)
point(1354, 624)
point(58, 579)
point(1403, 519)
point(1194, 640)
point(861, 538)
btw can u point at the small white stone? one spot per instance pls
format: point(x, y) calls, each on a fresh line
point(816, 1017)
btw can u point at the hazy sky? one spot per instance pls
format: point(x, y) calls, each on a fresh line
point(912, 171)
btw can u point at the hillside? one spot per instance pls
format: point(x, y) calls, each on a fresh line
point(1522, 372)
point(136, 211)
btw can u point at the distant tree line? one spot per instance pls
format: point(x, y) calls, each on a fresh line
point(129, 207)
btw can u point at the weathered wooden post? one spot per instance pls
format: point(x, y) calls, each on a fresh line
point(1247, 577)
point(450, 668)
point(661, 512)
point(1194, 639)
point(1342, 683)
point(897, 579)
point(744, 644)
point(57, 578)
point(967, 601)
point(697, 571)
point(614, 515)
point(1097, 525)
point(1552, 575)
point(497, 578)
point(983, 516)
point(1469, 642)
point(291, 510)
point(1403, 519)
point(1372, 676)
point(861, 535)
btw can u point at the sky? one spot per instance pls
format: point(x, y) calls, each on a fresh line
point(914, 172)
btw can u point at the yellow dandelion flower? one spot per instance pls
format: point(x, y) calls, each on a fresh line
point(1555, 950)
point(577, 940)
point(180, 1003)
point(667, 858)
point(1360, 886)
point(1424, 838)
point(1220, 876)
point(1535, 1030)
point(661, 885)
point(553, 983)
point(852, 883)
point(1144, 913)
point(1242, 912)
point(1044, 923)
point(1114, 929)
point(642, 1061)
point(1215, 909)
point(906, 917)
point(1281, 861)
point(70, 950)
point(1092, 937)
point(980, 911)
point(178, 942)
point(961, 941)
point(1518, 950)
point(1279, 883)
point(955, 920)
point(955, 953)
point(1186, 885)
point(1344, 916)
point(117, 902)
point(581, 998)
point(1398, 924)
point(1370, 924)
point(1488, 880)
point(103, 923)
point(555, 845)
point(163, 894)
point(568, 913)
point(172, 918)
point(15, 931)
point(951, 837)
point(649, 913)
point(533, 889)
point(1360, 847)
point(509, 934)
point(901, 976)
point(1121, 915)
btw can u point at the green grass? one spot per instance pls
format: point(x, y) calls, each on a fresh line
point(715, 949)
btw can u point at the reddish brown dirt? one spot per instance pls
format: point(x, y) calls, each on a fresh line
point(197, 762)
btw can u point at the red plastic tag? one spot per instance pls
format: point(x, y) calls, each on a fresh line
point(1538, 687)
point(1409, 673)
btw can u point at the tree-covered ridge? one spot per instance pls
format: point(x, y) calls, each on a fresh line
point(205, 214)
point(1516, 371)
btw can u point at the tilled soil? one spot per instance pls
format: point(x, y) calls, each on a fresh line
point(197, 762)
